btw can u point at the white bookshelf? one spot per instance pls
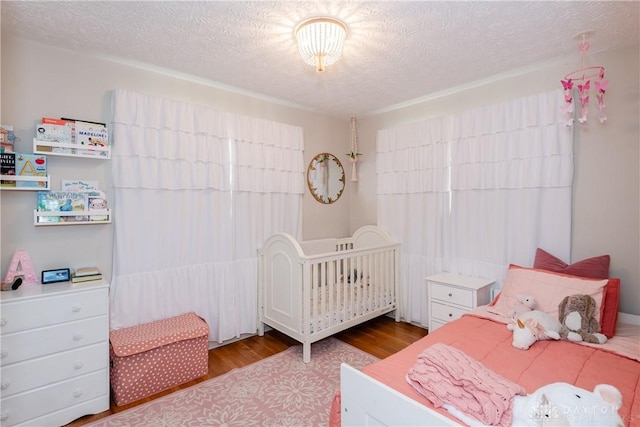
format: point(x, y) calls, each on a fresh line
point(72, 150)
point(17, 178)
point(39, 217)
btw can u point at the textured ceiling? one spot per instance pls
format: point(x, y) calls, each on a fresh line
point(395, 52)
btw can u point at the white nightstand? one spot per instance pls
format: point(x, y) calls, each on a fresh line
point(452, 295)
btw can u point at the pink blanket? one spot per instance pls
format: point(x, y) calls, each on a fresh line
point(444, 374)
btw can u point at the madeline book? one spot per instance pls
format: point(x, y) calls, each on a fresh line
point(91, 135)
point(31, 165)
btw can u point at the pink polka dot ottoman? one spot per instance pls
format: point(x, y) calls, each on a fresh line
point(153, 357)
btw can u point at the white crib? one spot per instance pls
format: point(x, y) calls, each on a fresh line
point(310, 290)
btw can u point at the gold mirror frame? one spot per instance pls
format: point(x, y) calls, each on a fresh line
point(325, 178)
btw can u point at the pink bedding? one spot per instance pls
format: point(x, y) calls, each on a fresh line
point(545, 362)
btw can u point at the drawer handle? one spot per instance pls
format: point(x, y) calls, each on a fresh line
point(3, 321)
point(78, 365)
point(77, 393)
point(76, 308)
point(4, 416)
point(450, 314)
point(5, 385)
point(77, 337)
point(450, 294)
point(4, 354)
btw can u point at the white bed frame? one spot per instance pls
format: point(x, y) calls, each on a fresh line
point(366, 401)
point(306, 289)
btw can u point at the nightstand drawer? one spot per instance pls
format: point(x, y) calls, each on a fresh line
point(450, 294)
point(444, 312)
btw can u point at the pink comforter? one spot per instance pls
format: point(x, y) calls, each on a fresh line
point(489, 342)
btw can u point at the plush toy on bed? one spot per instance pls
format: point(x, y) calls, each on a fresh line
point(533, 326)
point(563, 404)
point(524, 304)
point(577, 315)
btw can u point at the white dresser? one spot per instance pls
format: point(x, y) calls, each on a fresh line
point(452, 295)
point(55, 353)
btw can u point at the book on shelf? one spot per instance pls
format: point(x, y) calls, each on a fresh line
point(86, 271)
point(55, 130)
point(62, 201)
point(31, 165)
point(81, 279)
point(7, 167)
point(91, 135)
point(7, 138)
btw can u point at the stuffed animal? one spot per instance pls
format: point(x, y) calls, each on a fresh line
point(524, 304)
point(577, 315)
point(562, 404)
point(533, 326)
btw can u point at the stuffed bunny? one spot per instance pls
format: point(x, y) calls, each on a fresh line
point(524, 304)
point(577, 316)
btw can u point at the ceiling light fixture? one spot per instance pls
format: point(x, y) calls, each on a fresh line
point(320, 41)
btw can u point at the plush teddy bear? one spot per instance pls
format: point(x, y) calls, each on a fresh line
point(560, 404)
point(577, 316)
point(563, 404)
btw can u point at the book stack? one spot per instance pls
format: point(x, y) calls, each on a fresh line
point(86, 274)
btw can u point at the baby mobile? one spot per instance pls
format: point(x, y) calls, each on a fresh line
point(353, 154)
point(582, 78)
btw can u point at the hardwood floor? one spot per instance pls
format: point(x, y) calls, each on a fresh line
point(380, 337)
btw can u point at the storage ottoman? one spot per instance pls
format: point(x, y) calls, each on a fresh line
point(155, 356)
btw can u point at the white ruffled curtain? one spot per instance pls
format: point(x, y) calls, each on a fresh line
point(197, 192)
point(474, 192)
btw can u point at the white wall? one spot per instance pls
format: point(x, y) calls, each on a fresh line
point(606, 215)
point(40, 81)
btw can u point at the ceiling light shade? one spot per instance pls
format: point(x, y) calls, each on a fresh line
point(320, 41)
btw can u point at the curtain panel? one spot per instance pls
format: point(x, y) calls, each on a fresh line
point(476, 191)
point(197, 191)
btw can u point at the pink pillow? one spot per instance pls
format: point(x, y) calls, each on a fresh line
point(594, 268)
point(547, 288)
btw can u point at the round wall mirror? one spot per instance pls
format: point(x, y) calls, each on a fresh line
point(325, 178)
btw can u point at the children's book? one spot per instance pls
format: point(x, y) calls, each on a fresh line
point(31, 165)
point(91, 135)
point(7, 167)
point(69, 135)
point(78, 185)
point(62, 201)
point(97, 200)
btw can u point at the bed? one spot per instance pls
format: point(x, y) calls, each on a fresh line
point(381, 395)
point(310, 290)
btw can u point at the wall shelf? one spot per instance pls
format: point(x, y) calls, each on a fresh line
point(71, 217)
point(50, 148)
point(19, 178)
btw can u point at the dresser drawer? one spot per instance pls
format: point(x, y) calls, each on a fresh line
point(25, 406)
point(445, 312)
point(34, 373)
point(452, 295)
point(37, 312)
point(21, 346)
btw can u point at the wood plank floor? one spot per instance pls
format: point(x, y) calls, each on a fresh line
point(380, 337)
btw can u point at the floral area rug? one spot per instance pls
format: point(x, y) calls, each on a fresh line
point(280, 390)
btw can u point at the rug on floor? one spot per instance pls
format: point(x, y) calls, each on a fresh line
point(280, 390)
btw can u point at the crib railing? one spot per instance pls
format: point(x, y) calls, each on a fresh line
point(348, 285)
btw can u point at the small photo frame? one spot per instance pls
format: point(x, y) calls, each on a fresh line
point(55, 276)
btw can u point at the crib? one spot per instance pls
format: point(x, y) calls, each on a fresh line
point(310, 290)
